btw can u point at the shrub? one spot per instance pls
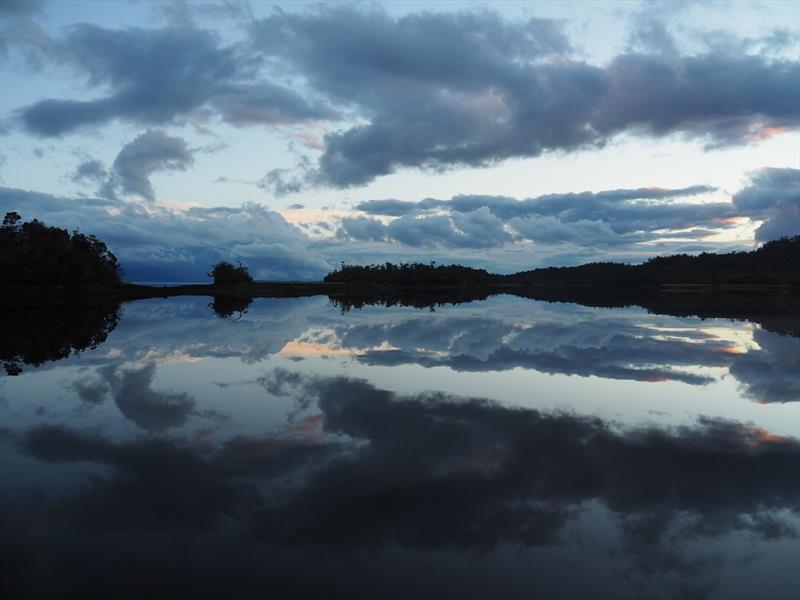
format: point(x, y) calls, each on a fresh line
point(225, 272)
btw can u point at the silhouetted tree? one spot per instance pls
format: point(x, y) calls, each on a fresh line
point(225, 272)
point(33, 253)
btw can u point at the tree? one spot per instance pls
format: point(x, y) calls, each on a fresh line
point(225, 272)
point(33, 253)
point(11, 219)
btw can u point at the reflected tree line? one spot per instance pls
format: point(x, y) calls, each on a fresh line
point(35, 335)
point(230, 307)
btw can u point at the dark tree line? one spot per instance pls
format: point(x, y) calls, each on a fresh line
point(33, 253)
point(776, 262)
point(409, 274)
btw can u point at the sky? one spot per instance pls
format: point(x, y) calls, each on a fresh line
point(508, 135)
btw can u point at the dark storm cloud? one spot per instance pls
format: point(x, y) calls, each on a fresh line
point(160, 244)
point(472, 89)
point(150, 152)
point(156, 76)
point(774, 197)
point(587, 218)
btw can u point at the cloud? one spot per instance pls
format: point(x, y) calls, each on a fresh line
point(622, 216)
point(281, 182)
point(423, 90)
point(267, 104)
point(20, 31)
point(471, 89)
point(181, 13)
point(476, 229)
point(91, 170)
point(156, 243)
point(772, 196)
point(155, 76)
point(362, 229)
point(398, 208)
point(150, 152)
point(498, 233)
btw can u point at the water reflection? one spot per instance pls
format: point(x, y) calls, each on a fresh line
point(132, 392)
point(290, 449)
point(33, 336)
point(226, 307)
point(605, 344)
point(427, 473)
point(603, 347)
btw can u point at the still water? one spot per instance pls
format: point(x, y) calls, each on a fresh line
point(504, 448)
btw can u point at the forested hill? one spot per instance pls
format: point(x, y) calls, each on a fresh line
point(776, 262)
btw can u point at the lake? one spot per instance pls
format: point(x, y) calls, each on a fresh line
point(503, 448)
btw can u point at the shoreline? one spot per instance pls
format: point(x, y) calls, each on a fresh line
point(298, 289)
point(773, 306)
